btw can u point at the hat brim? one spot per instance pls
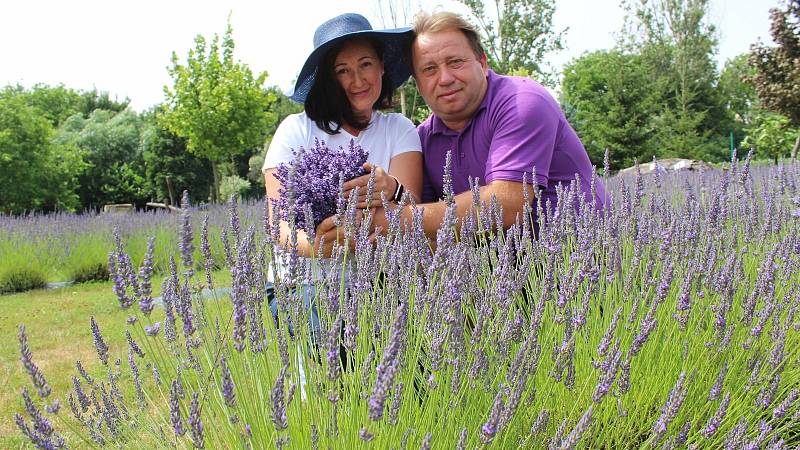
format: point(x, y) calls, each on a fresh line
point(393, 41)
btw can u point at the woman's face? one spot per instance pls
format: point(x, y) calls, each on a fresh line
point(358, 71)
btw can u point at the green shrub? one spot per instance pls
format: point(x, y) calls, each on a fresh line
point(21, 279)
point(89, 271)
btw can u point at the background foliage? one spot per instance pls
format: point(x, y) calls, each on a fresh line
point(656, 93)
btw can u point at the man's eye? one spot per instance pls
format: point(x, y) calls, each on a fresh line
point(429, 70)
point(456, 63)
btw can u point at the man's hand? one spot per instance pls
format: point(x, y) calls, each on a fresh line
point(383, 183)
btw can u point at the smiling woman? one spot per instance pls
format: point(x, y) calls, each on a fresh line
point(351, 74)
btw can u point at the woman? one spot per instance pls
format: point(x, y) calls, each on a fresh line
point(352, 72)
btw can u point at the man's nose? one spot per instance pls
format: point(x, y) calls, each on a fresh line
point(445, 75)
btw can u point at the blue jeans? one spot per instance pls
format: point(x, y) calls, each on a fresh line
point(314, 327)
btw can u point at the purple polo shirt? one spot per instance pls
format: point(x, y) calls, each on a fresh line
point(518, 125)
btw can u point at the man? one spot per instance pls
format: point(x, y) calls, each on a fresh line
point(496, 128)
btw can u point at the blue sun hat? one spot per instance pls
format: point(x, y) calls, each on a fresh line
point(348, 26)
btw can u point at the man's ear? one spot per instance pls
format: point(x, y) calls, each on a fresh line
point(484, 62)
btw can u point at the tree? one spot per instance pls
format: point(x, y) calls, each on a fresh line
point(35, 172)
point(216, 104)
point(58, 103)
point(111, 143)
point(518, 35)
point(777, 78)
point(167, 164)
point(771, 135)
point(608, 100)
point(280, 108)
point(739, 96)
point(678, 44)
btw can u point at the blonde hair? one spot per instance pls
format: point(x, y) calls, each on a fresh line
point(425, 22)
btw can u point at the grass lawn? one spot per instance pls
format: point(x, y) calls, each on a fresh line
point(59, 333)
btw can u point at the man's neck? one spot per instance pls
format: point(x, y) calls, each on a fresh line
point(455, 126)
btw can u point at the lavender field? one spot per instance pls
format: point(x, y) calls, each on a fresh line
point(667, 321)
point(64, 247)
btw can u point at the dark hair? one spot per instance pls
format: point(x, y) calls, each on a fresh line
point(327, 104)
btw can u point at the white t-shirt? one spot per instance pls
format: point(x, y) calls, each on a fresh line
point(387, 136)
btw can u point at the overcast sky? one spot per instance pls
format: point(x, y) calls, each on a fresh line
point(125, 47)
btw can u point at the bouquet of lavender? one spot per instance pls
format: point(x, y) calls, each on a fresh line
point(312, 180)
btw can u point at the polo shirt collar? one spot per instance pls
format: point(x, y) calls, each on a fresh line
point(438, 127)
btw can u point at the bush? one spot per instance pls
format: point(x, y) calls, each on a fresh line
point(89, 271)
point(21, 279)
point(233, 186)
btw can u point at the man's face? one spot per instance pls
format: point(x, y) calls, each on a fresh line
point(450, 76)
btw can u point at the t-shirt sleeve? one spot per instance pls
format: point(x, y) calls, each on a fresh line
point(524, 138)
point(287, 138)
point(406, 138)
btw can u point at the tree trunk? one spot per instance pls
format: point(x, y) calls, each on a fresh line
point(403, 101)
point(170, 192)
point(796, 147)
point(215, 187)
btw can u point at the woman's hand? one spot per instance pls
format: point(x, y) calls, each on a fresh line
point(327, 234)
point(383, 183)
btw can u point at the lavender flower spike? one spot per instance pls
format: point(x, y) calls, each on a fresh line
point(195, 424)
point(186, 244)
point(714, 422)
point(671, 408)
point(99, 344)
point(574, 436)
point(227, 385)
point(175, 409)
point(145, 272)
point(37, 377)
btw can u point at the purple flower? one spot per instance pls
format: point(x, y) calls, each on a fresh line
point(205, 250)
point(540, 424)
point(175, 409)
point(714, 422)
point(574, 436)
point(713, 394)
point(185, 232)
point(490, 428)
point(83, 372)
point(37, 377)
point(365, 435)
point(780, 411)
point(313, 178)
point(227, 384)
point(671, 408)
point(133, 345)
point(83, 400)
point(426, 441)
point(99, 344)
point(389, 366)
point(278, 402)
point(152, 330)
point(145, 271)
point(195, 423)
point(137, 382)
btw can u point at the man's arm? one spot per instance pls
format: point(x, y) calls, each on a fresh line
point(508, 194)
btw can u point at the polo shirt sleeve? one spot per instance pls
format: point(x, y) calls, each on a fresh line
point(525, 132)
